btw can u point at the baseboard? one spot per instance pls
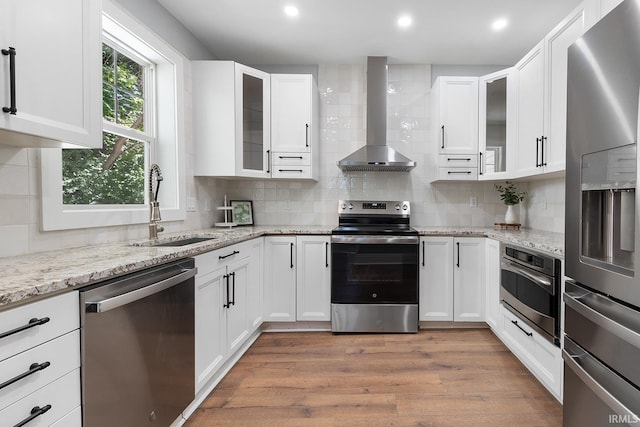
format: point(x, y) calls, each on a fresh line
point(452, 325)
point(310, 326)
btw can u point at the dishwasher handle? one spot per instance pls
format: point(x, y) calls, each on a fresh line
point(118, 301)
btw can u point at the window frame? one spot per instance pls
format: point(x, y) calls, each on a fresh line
point(167, 149)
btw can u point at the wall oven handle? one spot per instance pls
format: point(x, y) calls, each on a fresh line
point(590, 306)
point(581, 363)
point(36, 411)
point(291, 255)
point(120, 300)
point(529, 334)
point(33, 368)
point(32, 323)
point(541, 280)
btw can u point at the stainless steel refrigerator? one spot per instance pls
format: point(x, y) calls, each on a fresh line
point(602, 298)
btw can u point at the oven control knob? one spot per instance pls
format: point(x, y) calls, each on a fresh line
point(343, 206)
point(374, 295)
point(405, 207)
point(397, 206)
point(350, 206)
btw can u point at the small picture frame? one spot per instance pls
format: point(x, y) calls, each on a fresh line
point(242, 212)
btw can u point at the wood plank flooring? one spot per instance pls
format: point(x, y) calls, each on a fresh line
point(453, 377)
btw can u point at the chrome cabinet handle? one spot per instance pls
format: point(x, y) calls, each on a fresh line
point(32, 323)
point(542, 161)
point(33, 368)
point(11, 52)
point(118, 301)
point(529, 334)
point(36, 411)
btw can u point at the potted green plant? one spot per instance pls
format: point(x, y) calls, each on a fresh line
point(510, 196)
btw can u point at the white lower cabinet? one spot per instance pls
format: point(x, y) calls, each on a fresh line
point(40, 362)
point(227, 304)
point(492, 283)
point(313, 278)
point(542, 358)
point(452, 279)
point(297, 281)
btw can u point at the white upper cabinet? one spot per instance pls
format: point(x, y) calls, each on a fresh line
point(455, 114)
point(232, 120)
point(497, 130)
point(542, 98)
point(56, 73)
point(294, 126)
point(454, 109)
point(605, 6)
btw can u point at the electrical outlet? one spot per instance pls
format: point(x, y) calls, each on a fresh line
point(473, 201)
point(191, 204)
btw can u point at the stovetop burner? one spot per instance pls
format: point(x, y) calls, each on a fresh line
point(379, 218)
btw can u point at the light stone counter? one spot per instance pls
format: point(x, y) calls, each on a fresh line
point(26, 277)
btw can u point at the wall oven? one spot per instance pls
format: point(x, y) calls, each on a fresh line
point(374, 276)
point(530, 288)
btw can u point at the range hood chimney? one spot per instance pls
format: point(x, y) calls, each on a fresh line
point(376, 155)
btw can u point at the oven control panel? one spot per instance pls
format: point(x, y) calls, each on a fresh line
point(401, 207)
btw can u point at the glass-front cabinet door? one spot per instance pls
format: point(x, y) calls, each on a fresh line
point(253, 130)
point(497, 112)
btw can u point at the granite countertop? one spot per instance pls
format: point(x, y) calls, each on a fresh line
point(35, 275)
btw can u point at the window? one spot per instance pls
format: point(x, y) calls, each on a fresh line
point(142, 108)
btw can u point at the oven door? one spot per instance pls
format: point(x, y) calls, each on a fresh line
point(532, 296)
point(374, 269)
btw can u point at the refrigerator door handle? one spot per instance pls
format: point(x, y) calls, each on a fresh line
point(586, 367)
point(592, 306)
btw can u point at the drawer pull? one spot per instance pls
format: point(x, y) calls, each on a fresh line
point(290, 157)
point(32, 323)
point(36, 411)
point(466, 159)
point(35, 367)
point(290, 170)
point(455, 172)
point(228, 255)
point(529, 334)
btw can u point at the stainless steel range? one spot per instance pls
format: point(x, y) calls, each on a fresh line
point(374, 276)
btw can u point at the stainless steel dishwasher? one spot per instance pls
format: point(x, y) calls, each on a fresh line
point(137, 338)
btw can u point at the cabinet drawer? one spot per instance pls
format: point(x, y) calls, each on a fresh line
point(62, 314)
point(63, 396)
point(458, 174)
point(291, 159)
point(210, 261)
point(72, 419)
point(291, 172)
point(458, 160)
point(48, 362)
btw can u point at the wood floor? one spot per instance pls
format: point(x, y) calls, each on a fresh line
point(460, 377)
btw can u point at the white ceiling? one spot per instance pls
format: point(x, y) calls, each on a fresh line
point(347, 31)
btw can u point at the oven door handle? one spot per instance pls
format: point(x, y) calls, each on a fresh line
point(581, 363)
point(541, 280)
point(118, 301)
point(375, 240)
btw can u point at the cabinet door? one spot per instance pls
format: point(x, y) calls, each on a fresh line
point(254, 284)
point(493, 313)
point(457, 124)
point(436, 278)
point(313, 278)
point(237, 319)
point(253, 121)
point(210, 323)
point(57, 71)
point(291, 117)
point(468, 280)
point(280, 279)
point(556, 45)
point(530, 75)
point(606, 6)
point(496, 138)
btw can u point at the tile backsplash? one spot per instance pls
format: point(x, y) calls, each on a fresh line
point(342, 130)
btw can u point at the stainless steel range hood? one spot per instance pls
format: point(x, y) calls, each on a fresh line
point(376, 155)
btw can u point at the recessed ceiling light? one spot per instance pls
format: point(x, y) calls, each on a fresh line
point(405, 21)
point(291, 11)
point(499, 24)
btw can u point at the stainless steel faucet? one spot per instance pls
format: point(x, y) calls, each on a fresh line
point(154, 205)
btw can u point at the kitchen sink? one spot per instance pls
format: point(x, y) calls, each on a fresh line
point(184, 242)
